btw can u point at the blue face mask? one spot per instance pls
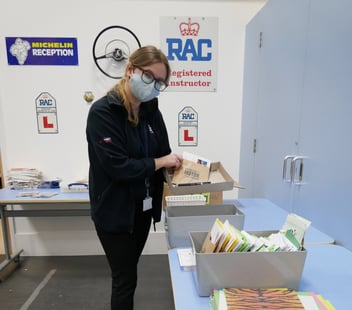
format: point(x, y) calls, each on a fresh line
point(141, 90)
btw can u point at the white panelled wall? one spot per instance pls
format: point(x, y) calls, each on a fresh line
point(297, 101)
point(64, 155)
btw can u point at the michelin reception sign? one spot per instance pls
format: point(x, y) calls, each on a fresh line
point(41, 51)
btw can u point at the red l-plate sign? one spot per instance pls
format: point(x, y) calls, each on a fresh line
point(188, 127)
point(46, 113)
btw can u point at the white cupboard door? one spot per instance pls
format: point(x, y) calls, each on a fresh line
point(326, 122)
point(279, 89)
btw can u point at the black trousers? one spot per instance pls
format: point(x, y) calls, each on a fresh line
point(123, 251)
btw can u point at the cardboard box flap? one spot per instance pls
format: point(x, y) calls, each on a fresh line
point(219, 179)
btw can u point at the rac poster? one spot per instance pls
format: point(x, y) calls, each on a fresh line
point(191, 46)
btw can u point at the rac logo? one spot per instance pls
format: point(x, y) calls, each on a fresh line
point(197, 50)
point(188, 116)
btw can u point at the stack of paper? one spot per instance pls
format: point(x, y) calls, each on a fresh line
point(22, 178)
point(196, 159)
point(37, 194)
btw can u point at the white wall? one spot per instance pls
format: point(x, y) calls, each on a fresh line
point(64, 154)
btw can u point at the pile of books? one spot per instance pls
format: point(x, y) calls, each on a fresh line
point(224, 237)
point(275, 298)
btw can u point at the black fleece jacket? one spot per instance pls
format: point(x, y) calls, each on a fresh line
point(121, 158)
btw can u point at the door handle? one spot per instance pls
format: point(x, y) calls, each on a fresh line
point(296, 169)
point(287, 159)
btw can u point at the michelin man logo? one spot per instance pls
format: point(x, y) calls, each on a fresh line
point(20, 50)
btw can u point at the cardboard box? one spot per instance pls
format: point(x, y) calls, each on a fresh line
point(180, 220)
point(245, 269)
point(219, 180)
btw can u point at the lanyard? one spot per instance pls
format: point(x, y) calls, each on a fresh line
point(146, 151)
point(144, 137)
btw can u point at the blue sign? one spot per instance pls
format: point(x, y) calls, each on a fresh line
point(176, 49)
point(42, 51)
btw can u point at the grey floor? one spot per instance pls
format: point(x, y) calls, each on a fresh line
point(82, 282)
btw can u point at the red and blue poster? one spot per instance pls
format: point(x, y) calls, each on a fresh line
point(191, 46)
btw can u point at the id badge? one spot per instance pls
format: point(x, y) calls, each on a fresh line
point(147, 203)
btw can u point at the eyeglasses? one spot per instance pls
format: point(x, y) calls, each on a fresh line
point(148, 78)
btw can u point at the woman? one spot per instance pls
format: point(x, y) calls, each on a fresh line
point(128, 146)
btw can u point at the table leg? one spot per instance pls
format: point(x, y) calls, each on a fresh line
point(4, 232)
point(9, 261)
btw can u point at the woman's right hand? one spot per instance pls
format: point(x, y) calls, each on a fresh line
point(169, 161)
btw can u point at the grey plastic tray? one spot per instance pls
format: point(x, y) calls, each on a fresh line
point(180, 220)
point(245, 269)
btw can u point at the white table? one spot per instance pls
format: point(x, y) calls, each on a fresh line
point(61, 204)
point(326, 271)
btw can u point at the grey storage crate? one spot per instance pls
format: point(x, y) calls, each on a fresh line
point(245, 269)
point(180, 220)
